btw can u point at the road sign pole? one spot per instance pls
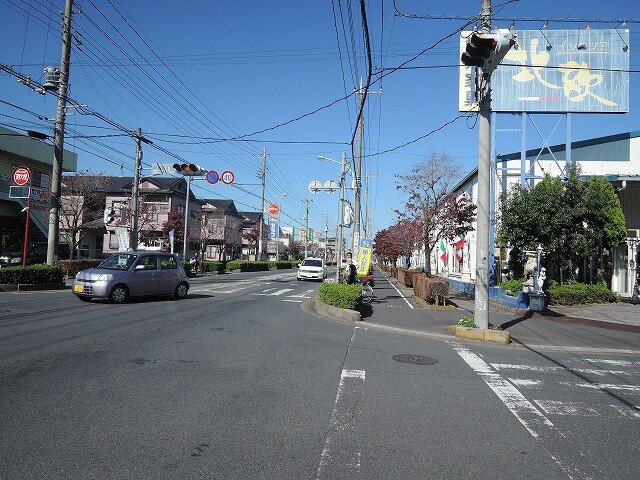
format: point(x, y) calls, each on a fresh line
point(25, 250)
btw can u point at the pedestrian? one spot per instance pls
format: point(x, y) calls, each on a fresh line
point(350, 270)
point(195, 260)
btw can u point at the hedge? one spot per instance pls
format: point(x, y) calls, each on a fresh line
point(71, 267)
point(40, 273)
point(340, 295)
point(430, 289)
point(512, 287)
point(282, 264)
point(211, 267)
point(247, 266)
point(574, 293)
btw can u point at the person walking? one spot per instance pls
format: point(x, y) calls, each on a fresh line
point(350, 270)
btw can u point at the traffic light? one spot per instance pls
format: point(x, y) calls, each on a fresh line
point(188, 169)
point(486, 50)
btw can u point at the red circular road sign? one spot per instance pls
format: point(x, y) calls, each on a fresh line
point(21, 176)
point(273, 209)
point(227, 177)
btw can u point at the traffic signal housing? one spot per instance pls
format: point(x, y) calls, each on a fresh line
point(486, 50)
point(189, 169)
point(109, 215)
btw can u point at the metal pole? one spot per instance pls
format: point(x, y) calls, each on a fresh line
point(25, 250)
point(343, 170)
point(186, 218)
point(58, 142)
point(326, 237)
point(263, 178)
point(481, 310)
point(135, 194)
point(306, 227)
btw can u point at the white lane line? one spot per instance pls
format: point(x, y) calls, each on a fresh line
point(555, 369)
point(294, 301)
point(399, 293)
point(276, 293)
point(617, 363)
point(606, 386)
point(556, 407)
point(532, 418)
point(306, 294)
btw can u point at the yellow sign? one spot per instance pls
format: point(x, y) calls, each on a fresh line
point(364, 260)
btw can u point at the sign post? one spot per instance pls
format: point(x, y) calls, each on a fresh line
point(21, 177)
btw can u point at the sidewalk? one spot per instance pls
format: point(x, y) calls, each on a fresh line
point(608, 326)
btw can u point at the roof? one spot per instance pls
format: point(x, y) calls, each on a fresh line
point(223, 205)
point(164, 184)
point(251, 216)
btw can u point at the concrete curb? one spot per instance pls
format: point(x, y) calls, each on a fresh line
point(341, 313)
point(503, 337)
point(29, 287)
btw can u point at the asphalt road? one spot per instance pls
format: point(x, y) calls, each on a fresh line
point(237, 381)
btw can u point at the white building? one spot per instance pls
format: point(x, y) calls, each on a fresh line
point(616, 157)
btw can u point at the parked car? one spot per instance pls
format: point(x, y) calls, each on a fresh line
point(36, 253)
point(312, 268)
point(131, 274)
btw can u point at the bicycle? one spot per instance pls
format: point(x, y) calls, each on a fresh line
point(367, 292)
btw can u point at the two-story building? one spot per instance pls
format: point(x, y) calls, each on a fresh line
point(19, 150)
point(221, 230)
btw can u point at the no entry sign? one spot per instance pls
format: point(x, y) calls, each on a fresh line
point(273, 209)
point(21, 176)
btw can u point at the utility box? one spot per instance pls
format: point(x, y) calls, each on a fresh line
point(536, 302)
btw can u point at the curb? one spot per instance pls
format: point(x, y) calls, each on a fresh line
point(502, 337)
point(29, 287)
point(341, 313)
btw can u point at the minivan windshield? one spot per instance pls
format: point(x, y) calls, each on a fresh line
point(119, 261)
point(312, 263)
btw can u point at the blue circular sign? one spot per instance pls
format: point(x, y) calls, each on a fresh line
point(212, 177)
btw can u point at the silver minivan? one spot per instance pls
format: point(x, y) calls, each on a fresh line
point(132, 274)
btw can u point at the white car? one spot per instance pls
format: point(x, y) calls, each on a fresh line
point(312, 269)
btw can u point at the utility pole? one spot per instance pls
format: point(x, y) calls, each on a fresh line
point(58, 142)
point(357, 175)
point(263, 176)
point(343, 171)
point(135, 193)
point(306, 226)
point(481, 310)
point(326, 235)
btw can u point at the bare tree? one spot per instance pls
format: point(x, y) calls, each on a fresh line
point(432, 202)
point(82, 206)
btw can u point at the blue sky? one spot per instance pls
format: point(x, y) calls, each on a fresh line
point(197, 75)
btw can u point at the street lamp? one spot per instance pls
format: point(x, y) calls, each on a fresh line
point(343, 170)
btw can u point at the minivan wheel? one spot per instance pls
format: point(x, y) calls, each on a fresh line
point(181, 291)
point(119, 294)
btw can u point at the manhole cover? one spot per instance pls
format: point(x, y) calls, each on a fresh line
point(414, 359)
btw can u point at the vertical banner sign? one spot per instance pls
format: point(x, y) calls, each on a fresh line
point(122, 234)
point(364, 256)
point(171, 239)
point(273, 230)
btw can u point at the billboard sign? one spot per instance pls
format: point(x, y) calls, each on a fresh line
point(557, 71)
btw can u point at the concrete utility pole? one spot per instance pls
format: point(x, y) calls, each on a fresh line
point(326, 235)
point(263, 176)
point(481, 310)
point(357, 176)
point(343, 172)
point(135, 193)
point(306, 226)
point(58, 141)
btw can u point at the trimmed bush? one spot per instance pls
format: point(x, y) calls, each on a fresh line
point(405, 276)
point(574, 293)
point(71, 267)
point(247, 266)
point(340, 295)
point(281, 265)
point(40, 273)
point(211, 267)
point(431, 289)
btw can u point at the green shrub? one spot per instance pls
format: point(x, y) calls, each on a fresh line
point(574, 293)
point(512, 287)
point(41, 273)
point(281, 265)
point(212, 267)
point(247, 266)
point(71, 267)
point(340, 295)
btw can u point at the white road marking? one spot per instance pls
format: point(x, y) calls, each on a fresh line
point(400, 293)
point(306, 294)
point(618, 363)
point(606, 386)
point(554, 369)
point(629, 412)
point(294, 301)
point(556, 407)
point(276, 293)
point(532, 418)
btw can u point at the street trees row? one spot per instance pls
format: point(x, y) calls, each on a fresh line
point(431, 212)
point(575, 221)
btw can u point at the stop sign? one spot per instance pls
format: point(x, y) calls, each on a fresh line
point(273, 209)
point(21, 176)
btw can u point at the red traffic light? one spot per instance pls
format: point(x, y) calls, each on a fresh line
point(487, 49)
